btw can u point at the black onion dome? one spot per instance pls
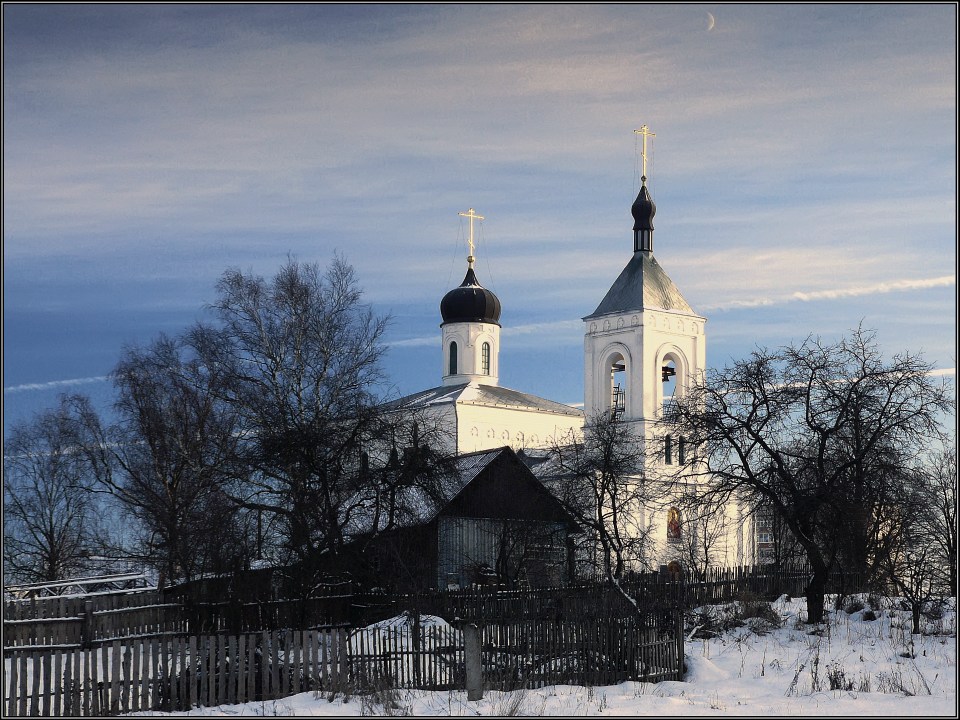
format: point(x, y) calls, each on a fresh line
point(643, 210)
point(470, 303)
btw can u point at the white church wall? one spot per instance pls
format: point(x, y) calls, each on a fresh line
point(470, 338)
point(485, 427)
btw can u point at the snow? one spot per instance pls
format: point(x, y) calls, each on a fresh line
point(852, 665)
point(405, 623)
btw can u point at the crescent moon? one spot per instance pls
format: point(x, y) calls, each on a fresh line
point(711, 21)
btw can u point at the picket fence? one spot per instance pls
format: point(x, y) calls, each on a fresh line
point(171, 673)
point(176, 673)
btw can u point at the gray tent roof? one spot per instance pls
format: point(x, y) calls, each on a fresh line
point(643, 284)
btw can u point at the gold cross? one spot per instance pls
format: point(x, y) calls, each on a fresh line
point(473, 216)
point(645, 131)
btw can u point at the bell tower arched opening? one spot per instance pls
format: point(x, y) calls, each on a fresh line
point(668, 380)
point(617, 394)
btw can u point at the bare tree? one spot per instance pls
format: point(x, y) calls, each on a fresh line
point(936, 518)
point(808, 430)
point(51, 524)
point(302, 355)
point(600, 480)
point(779, 547)
point(706, 529)
point(168, 457)
point(910, 563)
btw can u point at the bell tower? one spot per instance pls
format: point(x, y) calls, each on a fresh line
point(644, 342)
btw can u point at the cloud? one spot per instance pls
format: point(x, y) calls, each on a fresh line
point(54, 384)
point(557, 329)
point(414, 342)
point(837, 293)
point(884, 287)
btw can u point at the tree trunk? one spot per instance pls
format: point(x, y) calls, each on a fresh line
point(816, 589)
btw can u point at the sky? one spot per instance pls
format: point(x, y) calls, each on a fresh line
point(803, 167)
point(759, 669)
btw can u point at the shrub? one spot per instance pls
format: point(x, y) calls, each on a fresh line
point(853, 606)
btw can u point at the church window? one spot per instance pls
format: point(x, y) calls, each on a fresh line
point(681, 450)
point(453, 358)
point(485, 358)
point(668, 450)
point(673, 524)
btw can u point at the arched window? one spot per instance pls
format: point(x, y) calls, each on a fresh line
point(668, 450)
point(673, 524)
point(618, 386)
point(485, 358)
point(453, 359)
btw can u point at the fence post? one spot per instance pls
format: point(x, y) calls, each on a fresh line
point(678, 624)
point(471, 656)
point(86, 627)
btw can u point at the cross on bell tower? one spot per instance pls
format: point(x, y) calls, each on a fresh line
point(644, 131)
point(643, 207)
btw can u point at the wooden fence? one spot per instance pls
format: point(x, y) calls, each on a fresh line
point(171, 673)
point(65, 621)
point(488, 603)
point(532, 655)
point(89, 624)
point(74, 605)
point(176, 673)
point(763, 582)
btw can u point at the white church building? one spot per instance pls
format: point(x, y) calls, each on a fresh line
point(642, 344)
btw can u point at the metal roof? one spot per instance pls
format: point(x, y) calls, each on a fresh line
point(642, 284)
point(490, 395)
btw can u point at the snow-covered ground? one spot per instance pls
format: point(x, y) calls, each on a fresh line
point(864, 662)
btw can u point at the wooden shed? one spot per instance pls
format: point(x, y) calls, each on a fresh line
point(498, 525)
